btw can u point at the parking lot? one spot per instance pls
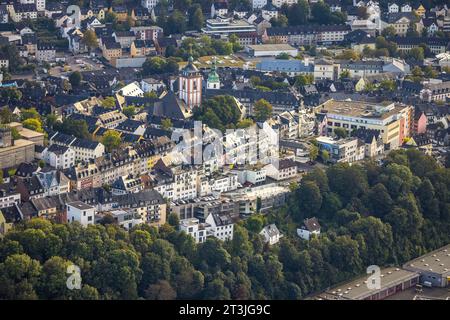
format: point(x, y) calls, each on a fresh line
point(76, 63)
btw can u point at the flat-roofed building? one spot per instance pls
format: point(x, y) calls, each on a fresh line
point(392, 281)
point(221, 25)
point(271, 50)
point(394, 121)
point(433, 267)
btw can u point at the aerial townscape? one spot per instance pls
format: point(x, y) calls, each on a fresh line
point(224, 150)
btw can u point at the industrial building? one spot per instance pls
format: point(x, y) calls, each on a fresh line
point(434, 267)
point(392, 281)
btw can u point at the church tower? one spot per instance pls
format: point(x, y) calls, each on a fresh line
point(190, 85)
point(213, 81)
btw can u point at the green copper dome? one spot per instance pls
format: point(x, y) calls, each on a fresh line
point(213, 76)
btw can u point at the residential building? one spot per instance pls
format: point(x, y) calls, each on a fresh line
point(195, 229)
point(346, 150)
point(59, 157)
point(306, 34)
point(271, 234)
point(78, 211)
point(310, 228)
point(221, 226)
point(8, 196)
point(45, 52)
point(282, 170)
point(125, 218)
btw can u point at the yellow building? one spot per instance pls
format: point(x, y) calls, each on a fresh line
point(421, 11)
point(120, 12)
point(141, 48)
point(111, 51)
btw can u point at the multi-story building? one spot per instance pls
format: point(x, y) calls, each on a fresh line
point(436, 45)
point(59, 157)
point(45, 52)
point(326, 70)
point(142, 48)
point(148, 205)
point(14, 152)
point(147, 32)
point(284, 169)
point(221, 25)
point(306, 34)
point(78, 211)
point(19, 12)
point(221, 226)
point(8, 196)
point(111, 50)
point(346, 150)
point(85, 150)
point(149, 4)
point(194, 228)
point(393, 120)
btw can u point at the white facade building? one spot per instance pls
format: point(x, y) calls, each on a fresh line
point(194, 228)
point(271, 234)
point(59, 157)
point(80, 212)
point(220, 226)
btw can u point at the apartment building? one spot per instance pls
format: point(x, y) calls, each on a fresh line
point(344, 150)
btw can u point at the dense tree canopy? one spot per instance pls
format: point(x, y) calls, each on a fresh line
point(370, 214)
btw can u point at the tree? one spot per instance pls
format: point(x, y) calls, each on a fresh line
point(166, 124)
point(162, 290)
point(19, 275)
point(313, 152)
point(388, 85)
point(362, 13)
point(345, 74)
point(129, 111)
point(297, 14)
point(309, 199)
point(110, 17)
point(255, 223)
point(90, 39)
point(176, 22)
point(349, 54)
point(75, 78)
point(325, 155)
point(416, 53)
point(33, 124)
point(6, 115)
point(219, 112)
point(109, 103)
point(281, 21)
point(30, 113)
point(262, 110)
point(303, 80)
point(389, 32)
point(111, 140)
point(15, 134)
point(197, 19)
point(41, 163)
point(282, 56)
point(173, 220)
point(341, 133)
point(78, 128)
